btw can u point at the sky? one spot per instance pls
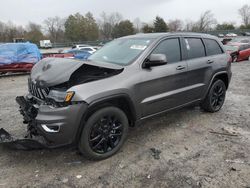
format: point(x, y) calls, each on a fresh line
point(22, 12)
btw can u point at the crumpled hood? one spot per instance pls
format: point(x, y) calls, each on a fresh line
point(53, 71)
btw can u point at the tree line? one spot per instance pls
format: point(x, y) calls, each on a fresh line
point(78, 27)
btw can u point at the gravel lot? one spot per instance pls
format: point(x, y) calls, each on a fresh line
point(191, 155)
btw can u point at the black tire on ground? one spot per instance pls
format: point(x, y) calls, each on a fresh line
point(104, 133)
point(215, 97)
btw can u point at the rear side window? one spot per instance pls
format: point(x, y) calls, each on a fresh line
point(195, 48)
point(171, 48)
point(212, 46)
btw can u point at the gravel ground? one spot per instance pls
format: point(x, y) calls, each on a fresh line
point(189, 155)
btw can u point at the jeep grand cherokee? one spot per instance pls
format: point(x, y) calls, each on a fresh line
point(91, 104)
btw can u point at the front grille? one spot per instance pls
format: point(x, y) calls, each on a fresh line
point(38, 92)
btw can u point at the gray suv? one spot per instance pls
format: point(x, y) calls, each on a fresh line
point(91, 104)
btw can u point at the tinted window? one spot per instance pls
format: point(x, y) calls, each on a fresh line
point(171, 48)
point(212, 47)
point(195, 48)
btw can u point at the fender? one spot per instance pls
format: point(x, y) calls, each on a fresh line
point(104, 100)
point(211, 81)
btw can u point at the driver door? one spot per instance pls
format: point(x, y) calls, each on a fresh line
point(164, 86)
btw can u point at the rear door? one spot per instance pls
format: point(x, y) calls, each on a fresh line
point(162, 86)
point(202, 57)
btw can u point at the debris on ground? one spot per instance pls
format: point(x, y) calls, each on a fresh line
point(224, 133)
point(79, 176)
point(65, 180)
point(237, 161)
point(155, 153)
point(73, 162)
point(233, 169)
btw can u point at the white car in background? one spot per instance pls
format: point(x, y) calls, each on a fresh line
point(231, 35)
point(89, 49)
point(78, 46)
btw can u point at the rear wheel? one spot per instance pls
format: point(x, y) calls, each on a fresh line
point(215, 97)
point(104, 133)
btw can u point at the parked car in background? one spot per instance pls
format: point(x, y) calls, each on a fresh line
point(45, 44)
point(79, 54)
point(246, 33)
point(78, 46)
point(226, 40)
point(18, 57)
point(231, 35)
point(240, 40)
point(91, 104)
point(89, 49)
point(221, 35)
point(238, 51)
point(58, 55)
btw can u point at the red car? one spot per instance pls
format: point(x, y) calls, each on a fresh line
point(59, 55)
point(238, 51)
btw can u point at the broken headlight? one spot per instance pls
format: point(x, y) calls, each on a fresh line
point(60, 96)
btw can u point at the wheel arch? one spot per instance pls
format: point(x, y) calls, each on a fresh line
point(222, 76)
point(219, 75)
point(122, 101)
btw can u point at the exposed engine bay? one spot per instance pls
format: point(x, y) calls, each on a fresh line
point(52, 75)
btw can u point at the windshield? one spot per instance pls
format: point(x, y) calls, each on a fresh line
point(231, 48)
point(121, 51)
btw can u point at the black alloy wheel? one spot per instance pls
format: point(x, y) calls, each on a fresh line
point(104, 133)
point(218, 97)
point(215, 97)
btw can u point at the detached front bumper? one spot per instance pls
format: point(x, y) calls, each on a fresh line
point(48, 127)
point(20, 143)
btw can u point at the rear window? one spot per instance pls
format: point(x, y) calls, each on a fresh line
point(212, 46)
point(195, 48)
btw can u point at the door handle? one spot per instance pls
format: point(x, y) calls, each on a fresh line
point(180, 67)
point(209, 61)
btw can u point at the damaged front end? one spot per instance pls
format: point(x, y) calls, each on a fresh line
point(52, 119)
point(31, 140)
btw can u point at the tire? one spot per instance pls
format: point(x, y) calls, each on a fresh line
point(215, 97)
point(104, 133)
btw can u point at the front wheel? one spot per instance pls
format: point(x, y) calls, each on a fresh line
point(215, 97)
point(104, 133)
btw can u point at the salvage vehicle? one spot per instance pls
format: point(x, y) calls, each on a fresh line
point(91, 104)
point(238, 51)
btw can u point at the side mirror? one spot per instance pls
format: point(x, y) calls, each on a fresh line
point(155, 60)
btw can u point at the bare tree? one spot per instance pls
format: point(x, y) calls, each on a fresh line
point(107, 23)
point(189, 25)
point(34, 33)
point(206, 21)
point(175, 25)
point(55, 28)
point(245, 14)
point(137, 25)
